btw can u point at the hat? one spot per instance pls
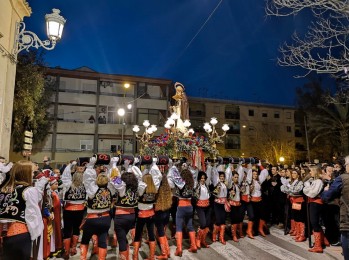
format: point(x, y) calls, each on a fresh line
point(53, 180)
point(45, 173)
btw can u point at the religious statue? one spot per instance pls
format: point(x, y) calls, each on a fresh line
point(181, 107)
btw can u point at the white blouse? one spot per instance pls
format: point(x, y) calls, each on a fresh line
point(204, 192)
point(312, 188)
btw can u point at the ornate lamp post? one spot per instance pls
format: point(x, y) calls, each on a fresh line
point(26, 39)
point(146, 136)
point(177, 129)
point(213, 136)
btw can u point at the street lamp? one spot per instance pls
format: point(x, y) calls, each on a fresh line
point(282, 159)
point(121, 113)
point(144, 139)
point(26, 39)
point(177, 131)
point(213, 136)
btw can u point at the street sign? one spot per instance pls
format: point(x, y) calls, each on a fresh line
point(28, 140)
point(28, 134)
point(27, 146)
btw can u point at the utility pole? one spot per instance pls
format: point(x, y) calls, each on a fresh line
point(306, 137)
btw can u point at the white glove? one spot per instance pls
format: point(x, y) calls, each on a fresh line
point(114, 161)
point(92, 162)
point(74, 163)
point(5, 168)
point(40, 184)
point(136, 160)
point(155, 160)
point(259, 163)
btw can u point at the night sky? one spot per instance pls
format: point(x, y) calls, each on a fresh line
point(229, 53)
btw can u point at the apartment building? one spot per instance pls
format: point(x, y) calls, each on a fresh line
point(252, 125)
point(85, 116)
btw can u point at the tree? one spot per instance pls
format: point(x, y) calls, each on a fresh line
point(332, 123)
point(269, 144)
point(323, 48)
point(31, 100)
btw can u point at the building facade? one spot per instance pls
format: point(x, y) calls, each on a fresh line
point(11, 12)
point(85, 119)
point(85, 113)
point(255, 129)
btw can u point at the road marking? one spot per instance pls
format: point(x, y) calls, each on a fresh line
point(273, 249)
point(229, 251)
point(329, 253)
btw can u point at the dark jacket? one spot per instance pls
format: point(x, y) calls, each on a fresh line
point(340, 189)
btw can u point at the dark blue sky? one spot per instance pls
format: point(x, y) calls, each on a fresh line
point(233, 56)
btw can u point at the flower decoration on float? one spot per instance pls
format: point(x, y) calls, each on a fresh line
point(178, 135)
point(213, 136)
point(145, 138)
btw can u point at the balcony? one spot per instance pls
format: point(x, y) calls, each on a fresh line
point(231, 115)
point(197, 113)
point(232, 146)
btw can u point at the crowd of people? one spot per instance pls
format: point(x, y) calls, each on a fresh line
point(48, 212)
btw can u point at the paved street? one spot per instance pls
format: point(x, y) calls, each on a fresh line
point(274, 246)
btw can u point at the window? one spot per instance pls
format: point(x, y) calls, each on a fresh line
point(141, 90)
point(298, 133)
point(288, 129)
point(232, 112)
point(86, 145)
point(276, 115)
point(251, 112)
point(197, 109)
point(232, 142)
point(154, 91)
point(89, 87)
point(148, 114)
point(197, 125)
point(264, 114)
point(234, 128)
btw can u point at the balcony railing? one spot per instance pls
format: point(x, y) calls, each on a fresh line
point(230, 115)
point(197, 113)
point(232, 146)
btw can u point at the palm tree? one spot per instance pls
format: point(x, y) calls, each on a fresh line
point(332, 123)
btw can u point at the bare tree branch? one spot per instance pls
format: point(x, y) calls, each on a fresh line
point(324, 48)
point(293, 7)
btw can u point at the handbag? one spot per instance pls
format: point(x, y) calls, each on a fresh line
point(296, 206)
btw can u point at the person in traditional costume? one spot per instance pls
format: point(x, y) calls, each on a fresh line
point(203, 209)
point(256, 197)
point(312, 189)
point(162, 215)
point(295, 190)
point(126, 186)
point(20, 215)
point(97, 220)
point(183, 184)
point(74, 197)
point(148, 186)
